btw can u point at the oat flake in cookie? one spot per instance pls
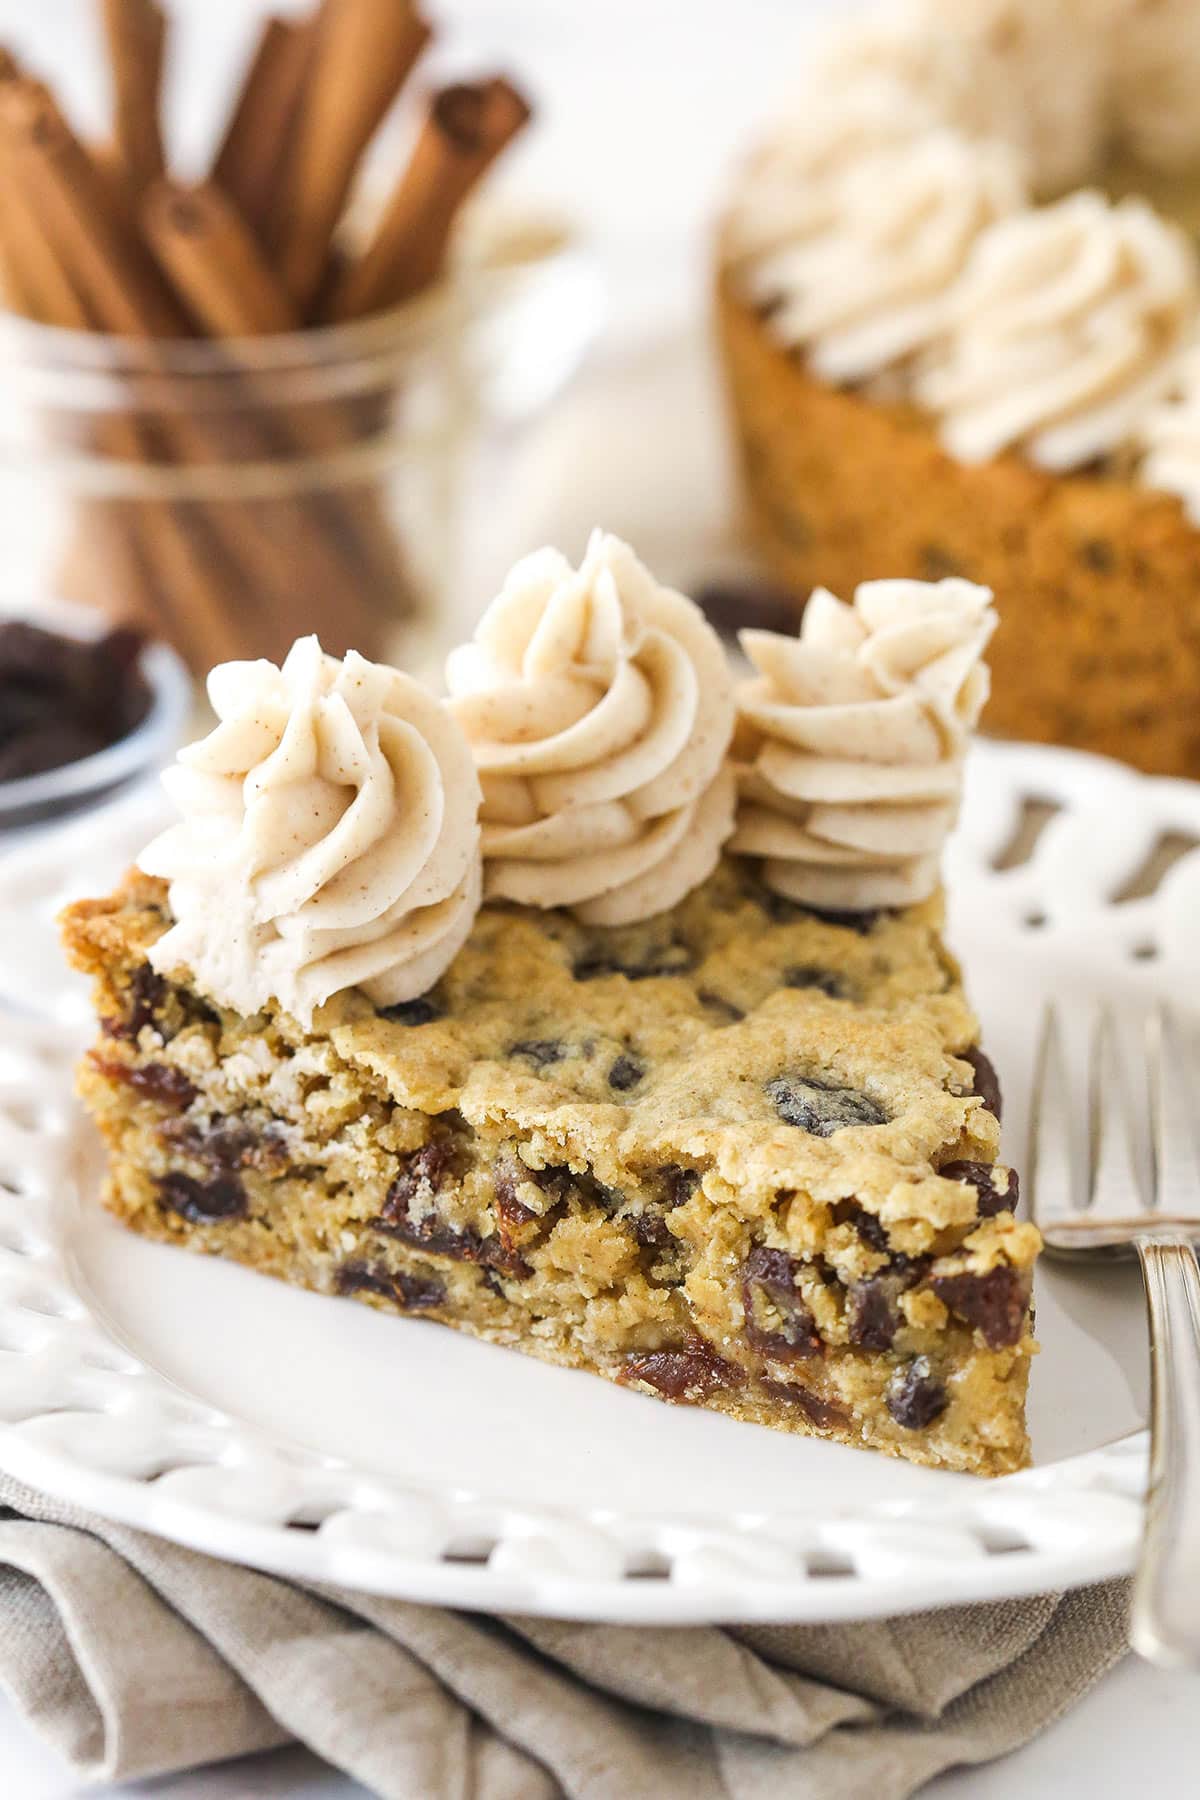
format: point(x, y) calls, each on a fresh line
point(732, 1151)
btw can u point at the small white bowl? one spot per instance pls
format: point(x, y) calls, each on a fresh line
point(38, 800)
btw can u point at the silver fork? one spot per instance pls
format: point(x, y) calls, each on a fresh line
point(1162, 1227)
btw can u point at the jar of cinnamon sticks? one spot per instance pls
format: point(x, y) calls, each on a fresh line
point(227, 418)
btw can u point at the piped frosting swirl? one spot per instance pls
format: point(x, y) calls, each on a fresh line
point(855, 736)
point(865, 280)
point(791, 188)
point(329, 837)
point(1033, 74)
point(599, 706)
point(1065, 328)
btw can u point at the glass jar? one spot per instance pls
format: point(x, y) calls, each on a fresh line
point(231, 495)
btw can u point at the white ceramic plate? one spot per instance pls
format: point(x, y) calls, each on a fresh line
point(217, 1408)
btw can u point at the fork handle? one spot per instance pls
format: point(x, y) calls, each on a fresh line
point(1165, 1621)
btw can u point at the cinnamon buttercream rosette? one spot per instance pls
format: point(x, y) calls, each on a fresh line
point(855, 736)
point(329, 837)
point(853, 240)
point(1066, 327)
point(599, 706)
point(1033, 73)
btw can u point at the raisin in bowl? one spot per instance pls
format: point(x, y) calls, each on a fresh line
point(85, 709)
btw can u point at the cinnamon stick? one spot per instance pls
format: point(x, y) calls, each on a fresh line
point(31, 275)
point(231, 290)
point(466, 128)
point(227, 286)
point(364, 51)
point(103, 242)
point(136, 33)
point(208, 250)
point(123, 292)
point(30, 262)
point(107, 565)
point(115, 275)
point(36, 281)
point(254, 149)
point(20, 283)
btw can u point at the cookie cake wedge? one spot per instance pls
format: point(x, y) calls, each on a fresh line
point(691, 1097)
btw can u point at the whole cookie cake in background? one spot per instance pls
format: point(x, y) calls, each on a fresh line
point(959, 307)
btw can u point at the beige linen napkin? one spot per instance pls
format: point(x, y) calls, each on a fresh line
point(134, 1657)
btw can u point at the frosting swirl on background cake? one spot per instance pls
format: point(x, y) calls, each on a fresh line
point(1065, 328)
point(792, 187)
point(599, 706)
point(867, 284)
point(329, 837)
point(1034, 73)
point(855, 733)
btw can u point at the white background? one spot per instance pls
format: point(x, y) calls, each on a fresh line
point(641, 106)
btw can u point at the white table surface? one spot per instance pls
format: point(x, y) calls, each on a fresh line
point(641, 105)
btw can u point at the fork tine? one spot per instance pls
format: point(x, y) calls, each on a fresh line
point(1176, 1160)
point(1050, 1184)
point(1115, 1192)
